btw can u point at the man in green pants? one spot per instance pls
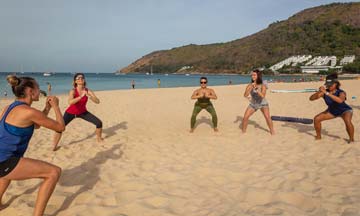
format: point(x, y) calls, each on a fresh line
point(203, 96)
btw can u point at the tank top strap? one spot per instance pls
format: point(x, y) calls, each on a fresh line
point(12, 106)
point(76, 93)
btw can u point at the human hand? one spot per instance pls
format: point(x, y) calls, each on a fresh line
point(53, 101)
point(83, 94)
point(322, 89)
point(47, 104)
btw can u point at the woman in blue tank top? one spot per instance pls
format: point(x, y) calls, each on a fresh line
point(334, 98)
point(17, 124)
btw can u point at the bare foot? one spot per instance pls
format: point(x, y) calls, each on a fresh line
point(191, 130)
point(272, 132)
point(216, 130)
point(100, 140)
point(351, 141)
point(317, 137)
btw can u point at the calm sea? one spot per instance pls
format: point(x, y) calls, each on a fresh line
point(62, 82)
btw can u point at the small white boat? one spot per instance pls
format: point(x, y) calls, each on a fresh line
point(187, 74)
point(46, 74)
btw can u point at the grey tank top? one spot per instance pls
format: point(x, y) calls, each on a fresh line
point(256, 98)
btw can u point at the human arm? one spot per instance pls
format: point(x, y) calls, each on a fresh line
point(211, 94)
point(39, 118)
point(92, 97)
point(338, 99)
point(248, 89)
point(46, 110)
point(196, 95)
point(261, 93)
point(74, 100)
point(319, 94)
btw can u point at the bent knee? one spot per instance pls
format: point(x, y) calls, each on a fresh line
point(99, 124)
point(317, 119)
point(55, 173)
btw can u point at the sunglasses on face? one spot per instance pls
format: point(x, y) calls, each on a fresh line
point(79, 78)
point(203, 82)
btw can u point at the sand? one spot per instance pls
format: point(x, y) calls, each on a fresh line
point(151, 165)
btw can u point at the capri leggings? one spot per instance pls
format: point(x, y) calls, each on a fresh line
point(87, 116)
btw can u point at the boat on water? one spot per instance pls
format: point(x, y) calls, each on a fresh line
point(46, 74)
point(151, 71)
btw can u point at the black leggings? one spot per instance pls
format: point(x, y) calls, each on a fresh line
point(87, 116)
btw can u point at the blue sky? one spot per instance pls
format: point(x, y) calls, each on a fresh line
point(105, 35)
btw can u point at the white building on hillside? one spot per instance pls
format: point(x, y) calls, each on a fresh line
point(347, 59)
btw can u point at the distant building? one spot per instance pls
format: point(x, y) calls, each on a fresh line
point(313, 65)
point(347, 59)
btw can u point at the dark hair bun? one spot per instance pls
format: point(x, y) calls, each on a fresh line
point(13, 80)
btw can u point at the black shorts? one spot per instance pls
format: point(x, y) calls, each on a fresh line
point(7, 166)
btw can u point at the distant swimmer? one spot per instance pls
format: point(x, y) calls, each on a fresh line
point(159, 83)
point(18, 121)
point(334, 98)
point(203, 96)
point(256, 91)
point(78, 98)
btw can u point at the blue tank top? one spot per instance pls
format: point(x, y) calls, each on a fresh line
point(13, 140)
point(336, 109)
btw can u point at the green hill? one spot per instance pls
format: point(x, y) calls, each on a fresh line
point(332, 29)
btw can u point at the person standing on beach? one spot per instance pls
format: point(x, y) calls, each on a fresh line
point(334, 98)
point(78, 97)
point(256, 92)
point(203, 96)
point(133, 84)
point(18, 121)
point(48, 88)
point(159, 83)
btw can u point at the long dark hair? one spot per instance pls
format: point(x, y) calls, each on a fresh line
point(259, 77)
point(19, 84)
point(78, 74)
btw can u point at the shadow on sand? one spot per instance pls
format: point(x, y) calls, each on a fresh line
point(28, 191)
point(203, 120)
point(355, 107)
point(86, 174)
point(251, 122)
point(108, 132)
point(308, 129)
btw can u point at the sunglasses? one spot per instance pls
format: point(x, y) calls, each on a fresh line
point(79, 78)
point(203, 82)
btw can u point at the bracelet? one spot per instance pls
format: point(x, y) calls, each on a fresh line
point(327, 93)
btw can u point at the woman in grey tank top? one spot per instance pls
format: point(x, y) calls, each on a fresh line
point(256, 92)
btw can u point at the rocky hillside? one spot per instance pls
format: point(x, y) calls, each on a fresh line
point(325, 30)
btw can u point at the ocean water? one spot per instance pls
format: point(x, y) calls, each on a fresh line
point(62, 82)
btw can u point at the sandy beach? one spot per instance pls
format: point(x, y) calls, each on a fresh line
point(150, 165)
